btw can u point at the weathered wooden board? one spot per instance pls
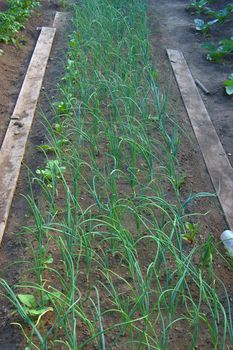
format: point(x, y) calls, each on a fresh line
point(60, 20)
point(13, 147)
point(216, 160)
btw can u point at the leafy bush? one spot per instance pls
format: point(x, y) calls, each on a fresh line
point(216, 53)
point(13, 19)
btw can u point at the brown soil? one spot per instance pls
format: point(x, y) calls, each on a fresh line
point(163, 35)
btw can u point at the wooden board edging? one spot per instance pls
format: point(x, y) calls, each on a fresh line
point(14, 143)
point(216, 160)
point(60, 19)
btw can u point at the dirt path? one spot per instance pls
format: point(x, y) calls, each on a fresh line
point(175, 26)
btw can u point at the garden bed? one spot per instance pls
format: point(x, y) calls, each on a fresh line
point(115, 254)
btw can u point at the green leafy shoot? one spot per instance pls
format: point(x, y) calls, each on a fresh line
point(229, 85)
point(191, 230)
point(221, 15)
point(53, 170)
point(217, 53)
point(203, 27)
point(198, 6)
point(52, 148)
point(31, 307)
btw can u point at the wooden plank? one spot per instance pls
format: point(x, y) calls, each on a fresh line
point(216, 160)
point(60, 20)
point(14, 144)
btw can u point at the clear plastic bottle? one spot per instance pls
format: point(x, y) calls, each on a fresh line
point(227, 239)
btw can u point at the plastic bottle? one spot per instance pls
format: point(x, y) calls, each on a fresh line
point(227, 239)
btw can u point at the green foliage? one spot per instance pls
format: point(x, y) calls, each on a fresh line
point(207, 252)
point(221, 15)
point(217, 53)
point(52, 148)
point(31, 307)
point(191, 230)
point(225, 47)
point(52, 172)
point(13, 19)
point(198, 5)
point(203, 27)
point(229, 85)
